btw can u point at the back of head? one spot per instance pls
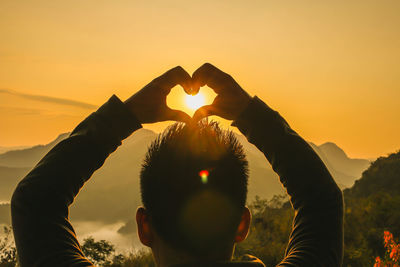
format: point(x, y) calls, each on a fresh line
point(194, 187)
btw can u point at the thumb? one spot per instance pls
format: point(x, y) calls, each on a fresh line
point(205, 111)
point(177, 115)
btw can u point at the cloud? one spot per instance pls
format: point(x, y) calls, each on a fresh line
point(20, 111)
point(49, 99)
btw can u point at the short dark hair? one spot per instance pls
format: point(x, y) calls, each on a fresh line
point(194, 186)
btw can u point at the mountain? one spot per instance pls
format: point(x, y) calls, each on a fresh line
point(345, 170)
point(9, 177)
point(383, 176)
point(27, 158)
point(114, 189)
point(5, 216)
point(4, 149)
point(372, 207)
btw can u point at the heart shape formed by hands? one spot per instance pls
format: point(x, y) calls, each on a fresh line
point(149, 105)
point(231, 99)
point(178, 99)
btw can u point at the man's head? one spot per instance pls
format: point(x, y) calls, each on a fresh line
point(194, 187)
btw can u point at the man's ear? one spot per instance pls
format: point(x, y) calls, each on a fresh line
point(143, 227)
point(244, 225)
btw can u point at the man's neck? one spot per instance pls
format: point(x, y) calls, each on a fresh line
point(166, 256)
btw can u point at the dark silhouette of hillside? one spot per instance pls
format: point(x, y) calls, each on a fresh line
point(372, 207)
point(382, 176)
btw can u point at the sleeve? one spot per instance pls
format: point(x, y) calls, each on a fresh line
point(317, 232)
point(39, 206)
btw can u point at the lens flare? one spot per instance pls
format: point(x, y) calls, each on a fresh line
point(204, 176)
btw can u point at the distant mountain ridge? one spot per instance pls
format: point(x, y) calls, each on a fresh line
point(28, 157)
point(115, 187)
point(345, 170)
point(4, 149)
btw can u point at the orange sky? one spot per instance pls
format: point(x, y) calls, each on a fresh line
point(331, 69)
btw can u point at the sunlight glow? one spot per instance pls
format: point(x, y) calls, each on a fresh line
point(195, 101)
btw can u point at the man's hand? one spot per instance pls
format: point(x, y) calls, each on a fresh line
point(150, 104)
point(231, 99)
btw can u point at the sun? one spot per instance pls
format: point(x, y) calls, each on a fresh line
point(195, 101)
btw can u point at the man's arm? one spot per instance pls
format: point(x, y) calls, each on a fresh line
point(317, 233)
point(43, 234)
point(39, 206)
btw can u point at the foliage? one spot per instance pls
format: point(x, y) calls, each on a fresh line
point(392, 254)
point(269, 231)
point(368, 212)
point(101, 252)
point(371, 207)
point(138, 259)
point(8, 252)
point(381, 176)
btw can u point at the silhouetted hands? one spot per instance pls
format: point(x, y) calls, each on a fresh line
point(231, 99)
point(150, 104)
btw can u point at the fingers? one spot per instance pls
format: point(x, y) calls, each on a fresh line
point(210, 75)
point(174, 77)
point(205, 111)
point(177, 115)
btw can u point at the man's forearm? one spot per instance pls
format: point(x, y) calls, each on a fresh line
point(317, 236)
point(40, 201)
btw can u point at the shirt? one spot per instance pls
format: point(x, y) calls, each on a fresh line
point(40, 203)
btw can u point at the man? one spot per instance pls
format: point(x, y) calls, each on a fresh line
point(44, 236)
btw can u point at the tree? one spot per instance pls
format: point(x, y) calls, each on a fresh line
point(392, 254)
point(8, 252)
point(99, 252)
point(143, 257)
point(269, 230)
